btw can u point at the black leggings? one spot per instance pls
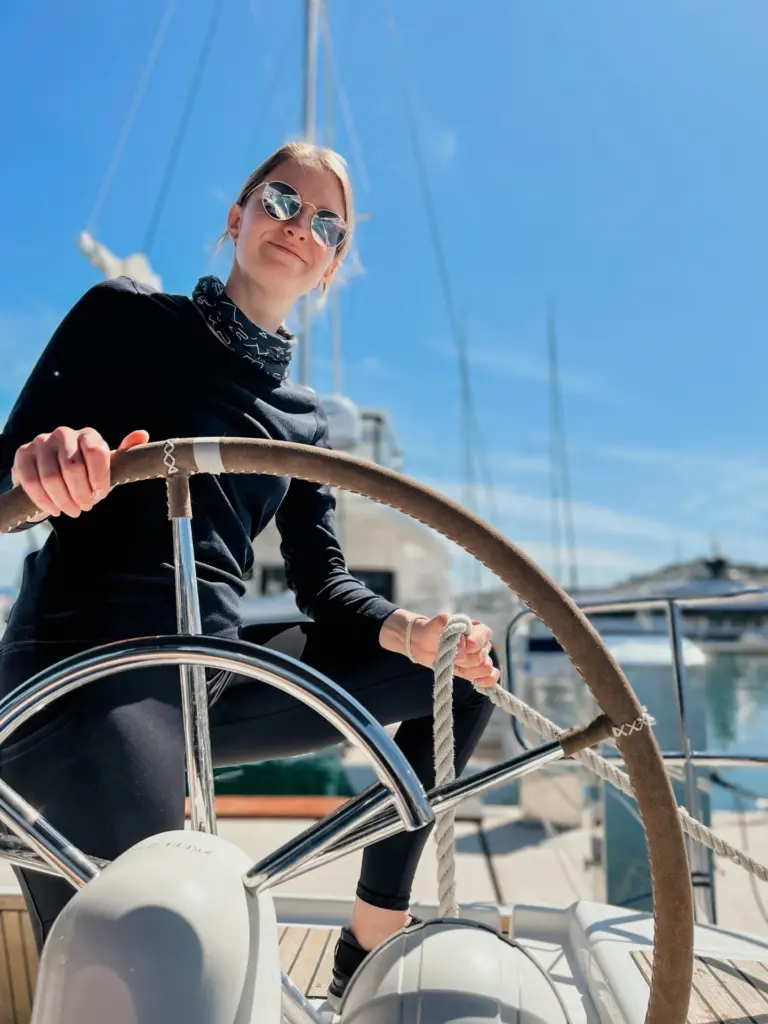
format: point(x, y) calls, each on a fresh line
point(107, 768)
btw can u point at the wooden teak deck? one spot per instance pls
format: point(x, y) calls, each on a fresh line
point(306, 955)
point(724, 991)
point(18, 961)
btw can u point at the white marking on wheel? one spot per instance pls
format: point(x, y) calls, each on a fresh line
point(206, 451)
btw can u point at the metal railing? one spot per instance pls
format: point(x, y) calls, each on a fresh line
point(687, 757)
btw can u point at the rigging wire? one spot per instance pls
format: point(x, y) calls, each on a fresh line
point(344, 105)
point(181, 131)
point(353, 24)
point(485, 470)
point(268, 96)
point(456, 325)
point(434, 230)
point(469, 496)
point(125, 131)
point(562, 505)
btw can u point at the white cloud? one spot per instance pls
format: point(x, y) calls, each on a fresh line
point(517, 464)
point(375, 367)
point(727, 492)
point(511, 361)
point(695, 498)
point(655, 505)
point(518, 508)
point(597, 566)
point(611, 543)
point(351, 268)
point(593, 562)
point(443, 145)
point(675, 458)
point(514, 359)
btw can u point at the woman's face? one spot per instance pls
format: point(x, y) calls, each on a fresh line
point(283, 256)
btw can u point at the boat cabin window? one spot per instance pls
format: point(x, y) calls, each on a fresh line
point(380, 581)
point(273, 580)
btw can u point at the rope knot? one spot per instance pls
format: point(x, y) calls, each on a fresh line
point(644, 721)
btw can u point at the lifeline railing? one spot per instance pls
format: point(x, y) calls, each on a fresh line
point(686, 757)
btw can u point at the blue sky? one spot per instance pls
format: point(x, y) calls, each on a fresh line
point(610, 155)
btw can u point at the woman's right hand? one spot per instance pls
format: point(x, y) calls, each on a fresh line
point(68, 470)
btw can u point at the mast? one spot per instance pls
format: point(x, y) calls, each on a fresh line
point(328, 140)
point(312, 11)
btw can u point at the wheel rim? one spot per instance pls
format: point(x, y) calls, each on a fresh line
point(672, 896)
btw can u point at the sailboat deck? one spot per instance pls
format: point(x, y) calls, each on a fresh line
point(501, 861)
point(18, 961)
point(306, 956)
point(724, 991)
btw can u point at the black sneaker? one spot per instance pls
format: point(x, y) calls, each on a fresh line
point(347, 957)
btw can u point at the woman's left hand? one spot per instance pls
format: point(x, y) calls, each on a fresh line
point(473, 659)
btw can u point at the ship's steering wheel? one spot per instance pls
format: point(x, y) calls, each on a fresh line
point(672, 898)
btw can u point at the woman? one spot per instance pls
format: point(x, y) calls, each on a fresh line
point(106, 765)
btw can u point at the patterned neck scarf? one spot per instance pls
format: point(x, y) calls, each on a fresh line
point(270, 352)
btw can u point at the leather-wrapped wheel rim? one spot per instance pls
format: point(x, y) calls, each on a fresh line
point(672, 895)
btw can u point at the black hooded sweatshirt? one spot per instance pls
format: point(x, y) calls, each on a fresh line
point(126, 358)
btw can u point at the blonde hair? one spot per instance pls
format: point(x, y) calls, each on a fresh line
point(310, 155)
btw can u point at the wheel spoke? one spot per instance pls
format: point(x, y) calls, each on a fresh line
point(399, 785)
point(22, 818)
point(442, 799)
point(301, 852)
point(16, 851)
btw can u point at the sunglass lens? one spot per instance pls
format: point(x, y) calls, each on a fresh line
point(281, 201)
point(328, 229)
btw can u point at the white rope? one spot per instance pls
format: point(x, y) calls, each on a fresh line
point(445, 770)
point(443, 715)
